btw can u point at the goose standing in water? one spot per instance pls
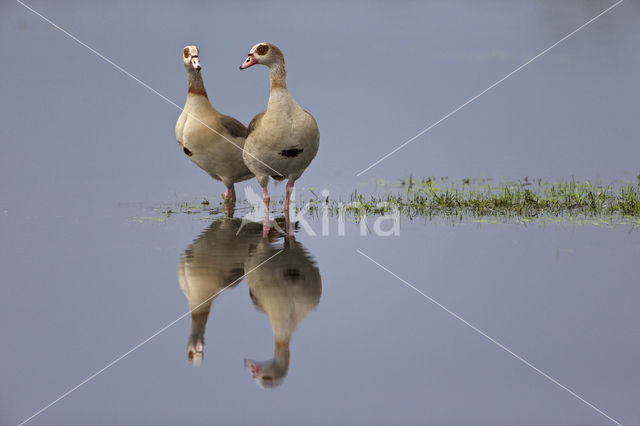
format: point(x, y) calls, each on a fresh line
point(213, 141)
point(284, 139)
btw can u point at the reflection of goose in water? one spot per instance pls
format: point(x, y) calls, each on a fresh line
point(211, 262)
point(286, 288)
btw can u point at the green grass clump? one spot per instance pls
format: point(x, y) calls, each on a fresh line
point(480, 198)
point(476, 200)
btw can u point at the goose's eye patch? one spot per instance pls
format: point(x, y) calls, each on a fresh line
point(262, 49)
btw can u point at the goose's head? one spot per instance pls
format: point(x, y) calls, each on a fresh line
point(268, 374)
point(195, 349)
point(265, 54)
point(191, 58)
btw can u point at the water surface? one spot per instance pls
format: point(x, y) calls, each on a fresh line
point(86, 150)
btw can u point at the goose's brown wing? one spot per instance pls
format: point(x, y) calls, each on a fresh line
point(235, 128)
point(255, 121)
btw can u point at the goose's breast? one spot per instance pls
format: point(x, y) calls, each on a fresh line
point(180, 127)
point(305, 129)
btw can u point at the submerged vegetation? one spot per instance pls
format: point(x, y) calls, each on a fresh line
point(477, 200)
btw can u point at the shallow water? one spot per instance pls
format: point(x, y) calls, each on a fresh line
point(91, 269)
point(364, 349)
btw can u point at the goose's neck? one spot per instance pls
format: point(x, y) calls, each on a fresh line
point(196, 85)
point(281, 354)
point(199, 323)
point(278, 76)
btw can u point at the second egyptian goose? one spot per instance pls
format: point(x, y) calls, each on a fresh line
point(284, 139)
point(213, 141)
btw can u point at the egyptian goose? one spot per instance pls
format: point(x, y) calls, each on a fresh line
point(214, 142)
point(283, 139)
point(286, 288)
point(210, 263)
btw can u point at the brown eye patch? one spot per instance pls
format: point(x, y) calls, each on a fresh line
point(186, 52)
point(262, 49)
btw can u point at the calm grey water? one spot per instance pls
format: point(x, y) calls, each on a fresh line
point(86, 150)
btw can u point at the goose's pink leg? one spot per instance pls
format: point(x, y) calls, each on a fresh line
point(289, 228)
point(266, 225)
point(230, 200)
point(288, 197)
point(230, 194)
point(287, 202)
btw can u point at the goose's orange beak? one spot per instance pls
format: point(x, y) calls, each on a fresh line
point(248, 62)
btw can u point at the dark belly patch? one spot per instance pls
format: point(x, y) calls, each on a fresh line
point(293, 274)
point(291, 152)
point(187, 151)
